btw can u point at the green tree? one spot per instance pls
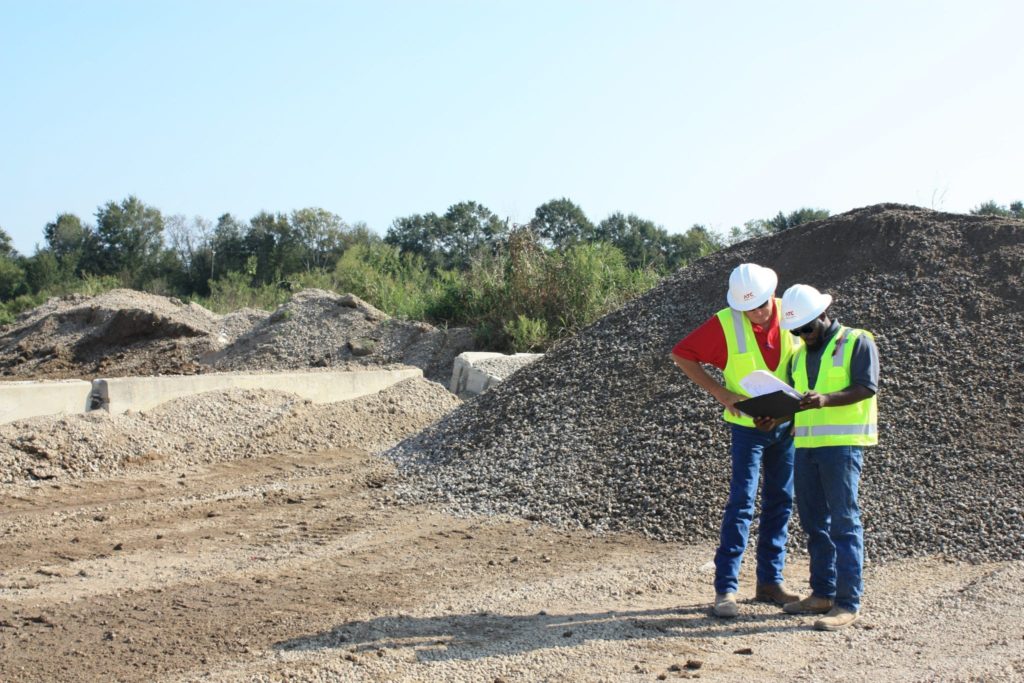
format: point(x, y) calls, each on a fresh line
point(759, 227)
point(188, 264)
point(322, 235)
point(275, 245)
point(991, 208)
point(689, 246)
point(647, 245)
point(43, 271)
point(129, 240)
point(66, 237)
point(448, 241)
point(562, 222)
point(803, 215)
point(418, 234)
point(468, 227)
point(7, 245)
point(12, 279)
point(229, 251)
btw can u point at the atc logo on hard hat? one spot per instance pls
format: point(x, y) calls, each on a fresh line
point(748, 296)
point(790, 314)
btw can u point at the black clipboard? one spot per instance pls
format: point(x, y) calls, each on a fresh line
point(776, 404)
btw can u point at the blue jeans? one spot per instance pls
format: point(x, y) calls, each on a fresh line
point(826, 495)
point(752, 449)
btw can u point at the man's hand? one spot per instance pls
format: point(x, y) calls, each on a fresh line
point(812, 399)
point(766, 424)
point(729, 399)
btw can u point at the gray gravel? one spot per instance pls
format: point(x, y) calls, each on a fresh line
point(605, 433)
point(213, 427)
point(503, 366)
point(318, 328)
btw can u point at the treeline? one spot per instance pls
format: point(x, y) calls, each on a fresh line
point(521, 287)
point(518, 286)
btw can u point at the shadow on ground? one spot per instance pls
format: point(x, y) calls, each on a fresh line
point(483, 634)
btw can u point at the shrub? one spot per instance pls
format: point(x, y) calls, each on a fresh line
point(527, 334)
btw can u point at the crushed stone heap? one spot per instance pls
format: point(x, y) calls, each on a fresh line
point(605, 433)
point(317, 328)
point(212, 427)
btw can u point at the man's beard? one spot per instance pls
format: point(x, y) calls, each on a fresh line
point(818, 343)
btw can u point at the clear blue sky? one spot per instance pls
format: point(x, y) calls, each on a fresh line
point(680, 112)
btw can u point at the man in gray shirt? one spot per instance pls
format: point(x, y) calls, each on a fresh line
point(836, 371)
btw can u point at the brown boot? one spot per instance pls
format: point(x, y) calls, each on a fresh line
point(812, 604)
point(725, 605)
point(774, 593)
point(837, 618)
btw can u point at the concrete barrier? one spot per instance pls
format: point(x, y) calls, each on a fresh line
point(119, 394)
point(22, 400)
point(474, 372)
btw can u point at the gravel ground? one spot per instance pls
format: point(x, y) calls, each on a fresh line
point(213, 427)
point(605, 433)
point(300, 567)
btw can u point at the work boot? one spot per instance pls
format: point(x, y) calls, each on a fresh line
point(774, 593)
point(812, 604)
point(837, 618)
point(725, 605)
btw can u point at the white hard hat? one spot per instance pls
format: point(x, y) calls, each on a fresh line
point(801, 304)
point(750, 285)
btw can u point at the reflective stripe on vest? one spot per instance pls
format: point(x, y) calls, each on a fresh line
point(744, 355)
point(850, 425)
point(835, 430)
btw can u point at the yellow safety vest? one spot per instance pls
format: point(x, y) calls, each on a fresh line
point(745, 355)
point(852, 425)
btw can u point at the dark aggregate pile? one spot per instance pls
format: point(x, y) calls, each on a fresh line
point(605, 433)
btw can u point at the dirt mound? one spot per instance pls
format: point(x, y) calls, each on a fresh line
point(317, 328)
point(124, 332)
point(213, 427)
point(120, 332)
point(604, 432)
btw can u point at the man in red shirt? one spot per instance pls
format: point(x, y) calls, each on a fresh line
point(738, 340)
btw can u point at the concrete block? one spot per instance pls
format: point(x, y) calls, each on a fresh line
point(474, 372)
point(120, 394)
point(22, 400)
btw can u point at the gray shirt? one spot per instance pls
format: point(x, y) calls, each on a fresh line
point(863, 363)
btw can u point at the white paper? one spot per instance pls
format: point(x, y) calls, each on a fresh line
point(761, 382)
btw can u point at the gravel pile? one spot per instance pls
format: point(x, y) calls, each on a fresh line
point(605, 433)
point(215, 426)
point(317, 328)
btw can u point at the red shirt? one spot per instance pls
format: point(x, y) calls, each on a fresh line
point(706, 344)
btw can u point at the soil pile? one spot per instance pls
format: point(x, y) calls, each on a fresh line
point(317, 328)
point(604, 432)
point(117, 333)
point(213, 427)
point(124, 333)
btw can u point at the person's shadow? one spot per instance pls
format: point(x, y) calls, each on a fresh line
point(483, 634)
